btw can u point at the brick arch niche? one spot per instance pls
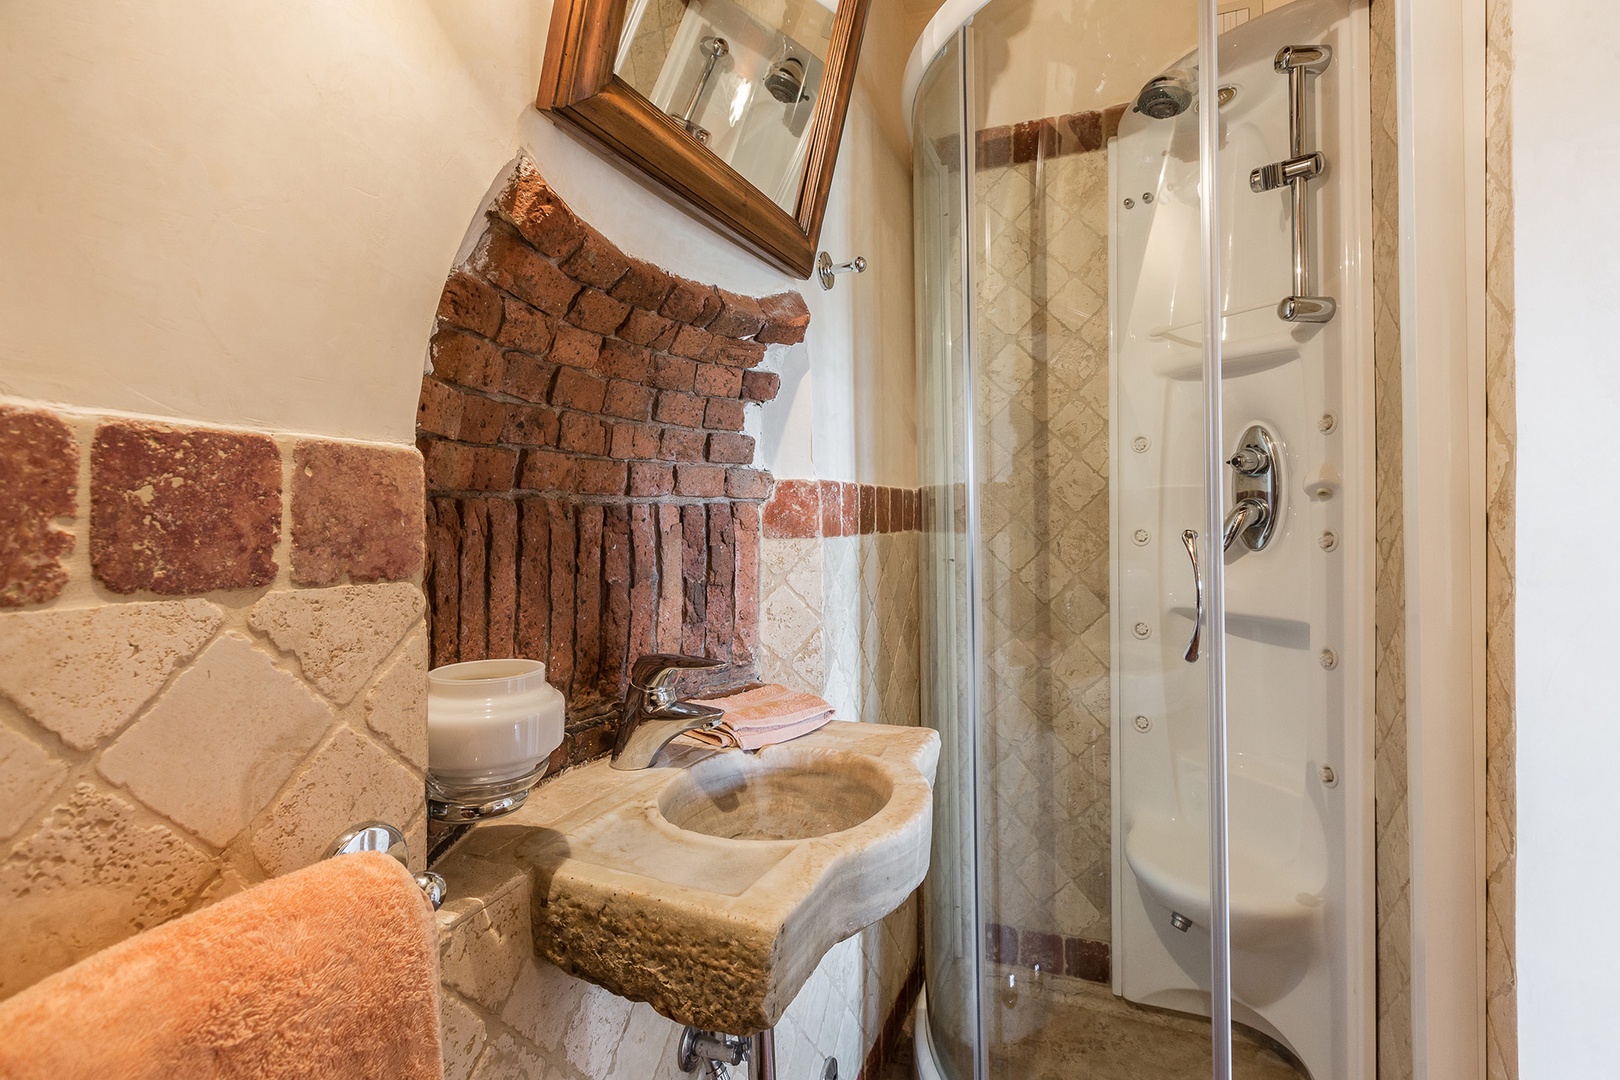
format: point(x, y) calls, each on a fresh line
point(591, 492)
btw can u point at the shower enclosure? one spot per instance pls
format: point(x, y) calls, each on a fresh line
point(1146, 424)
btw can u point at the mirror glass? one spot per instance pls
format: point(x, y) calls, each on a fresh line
point(741, 76)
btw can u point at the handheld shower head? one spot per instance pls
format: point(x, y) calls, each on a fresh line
point(1166, 95)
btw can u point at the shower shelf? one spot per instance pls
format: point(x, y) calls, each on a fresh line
point(1267, 629)
point(1270, 905)
point(1252, 340)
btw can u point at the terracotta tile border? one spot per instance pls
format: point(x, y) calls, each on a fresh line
point(1054, 954)
point(802, 509)
point(1041, 140)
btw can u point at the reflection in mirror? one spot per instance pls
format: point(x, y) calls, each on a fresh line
point(741, 76)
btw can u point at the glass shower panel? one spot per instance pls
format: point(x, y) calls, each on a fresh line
point(1087, 503)
point(951, 924)
point(1299, 589)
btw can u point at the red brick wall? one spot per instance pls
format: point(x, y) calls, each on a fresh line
point(591, 491)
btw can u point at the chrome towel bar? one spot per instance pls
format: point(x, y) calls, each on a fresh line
point(383, 837)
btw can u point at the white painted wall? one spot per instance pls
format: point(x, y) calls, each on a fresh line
point(1566, 150)
point(244, 213)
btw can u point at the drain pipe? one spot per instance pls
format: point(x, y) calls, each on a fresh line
point(715, 1053)
point(764, 1055)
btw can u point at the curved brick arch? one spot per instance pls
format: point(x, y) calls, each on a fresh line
point(592, 496)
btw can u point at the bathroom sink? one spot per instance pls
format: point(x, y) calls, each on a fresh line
point(741, 797)
point(712, 884)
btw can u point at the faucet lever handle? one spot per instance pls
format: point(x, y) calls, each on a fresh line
point(650, 672)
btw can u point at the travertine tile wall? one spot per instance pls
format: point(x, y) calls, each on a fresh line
point(644, 60)
point(839, 596)
point(1393, 854)
point(1501, 1015)
point(1043, 374)
point(214, 661)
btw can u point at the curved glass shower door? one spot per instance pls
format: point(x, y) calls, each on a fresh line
point(1061, 298)
point(1146, 427)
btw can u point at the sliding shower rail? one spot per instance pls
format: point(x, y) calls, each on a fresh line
point(1298, 62)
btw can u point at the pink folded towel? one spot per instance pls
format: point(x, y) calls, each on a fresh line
point(329, 972)
point(764, 716)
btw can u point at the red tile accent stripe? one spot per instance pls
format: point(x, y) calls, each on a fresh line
point(802, 509)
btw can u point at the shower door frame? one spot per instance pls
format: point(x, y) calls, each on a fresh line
point(1440, 103)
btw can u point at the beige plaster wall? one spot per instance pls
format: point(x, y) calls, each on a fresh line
point(268, 196)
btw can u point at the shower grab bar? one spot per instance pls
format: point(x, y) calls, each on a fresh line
point(1190, 538)
point(1298, 62)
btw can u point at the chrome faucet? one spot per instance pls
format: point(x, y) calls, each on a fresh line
point(652, 715)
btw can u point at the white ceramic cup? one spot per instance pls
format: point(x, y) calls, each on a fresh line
point(491, 721)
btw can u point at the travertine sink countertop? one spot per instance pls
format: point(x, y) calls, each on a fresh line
point(783, 854)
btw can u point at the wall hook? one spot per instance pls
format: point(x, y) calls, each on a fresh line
point(826, 271)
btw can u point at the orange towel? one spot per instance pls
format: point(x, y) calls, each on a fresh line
point(329, 972)
point(764, 716)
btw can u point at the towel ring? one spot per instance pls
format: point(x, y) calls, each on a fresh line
point(383, 837)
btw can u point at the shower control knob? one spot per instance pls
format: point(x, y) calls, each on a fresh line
point(1142, 630)
point(1251, 461)
point(1142, 724)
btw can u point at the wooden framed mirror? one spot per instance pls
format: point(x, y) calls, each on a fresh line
point(735, 105)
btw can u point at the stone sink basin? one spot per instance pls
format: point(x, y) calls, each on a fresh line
point(712, 884)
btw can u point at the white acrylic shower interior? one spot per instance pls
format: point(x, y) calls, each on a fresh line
point(1299, 649)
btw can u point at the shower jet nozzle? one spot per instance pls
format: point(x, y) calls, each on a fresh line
point(1166, 96)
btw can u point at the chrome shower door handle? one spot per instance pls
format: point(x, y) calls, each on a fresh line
point(1190, 538)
